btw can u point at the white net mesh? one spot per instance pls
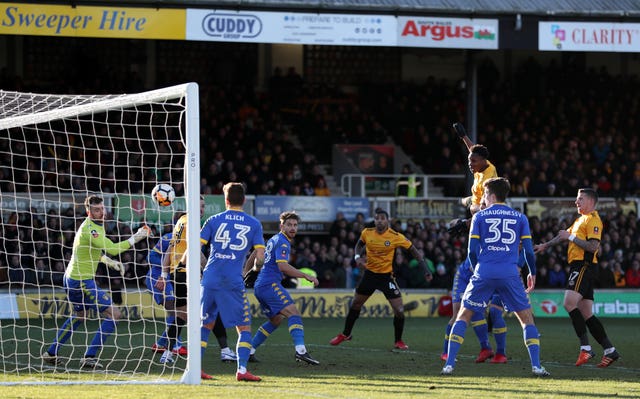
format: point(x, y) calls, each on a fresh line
point(55, 151)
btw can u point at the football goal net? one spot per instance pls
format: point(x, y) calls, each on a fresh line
point(56, 151)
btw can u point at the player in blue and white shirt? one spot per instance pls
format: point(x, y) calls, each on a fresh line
point(160, 296)
point(494, 239)
point(230, 235)
point(166, 295)
point(478, 320)
point(276, 302)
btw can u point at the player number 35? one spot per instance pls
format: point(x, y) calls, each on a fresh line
point(501, 230)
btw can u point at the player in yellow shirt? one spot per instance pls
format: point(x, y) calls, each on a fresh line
point(479, 165)
point(582, 254)
point(380, 243)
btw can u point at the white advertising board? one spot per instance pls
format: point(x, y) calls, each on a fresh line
point(293, 28)
point(588, 36)
point(448, 32)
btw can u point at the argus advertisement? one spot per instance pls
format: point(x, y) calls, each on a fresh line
point(290, 27)
point(448, 32)
point(589, 36)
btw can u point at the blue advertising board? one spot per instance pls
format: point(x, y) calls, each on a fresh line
point(311, 209)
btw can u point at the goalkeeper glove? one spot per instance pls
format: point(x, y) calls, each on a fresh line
point(142, 233)
point(113, 264)
point(459, 128)
point(459, 227)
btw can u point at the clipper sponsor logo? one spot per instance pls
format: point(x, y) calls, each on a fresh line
point(499, 249)
point(482, 304)
point(231, 26)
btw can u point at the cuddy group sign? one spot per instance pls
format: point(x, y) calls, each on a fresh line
point(290, 27)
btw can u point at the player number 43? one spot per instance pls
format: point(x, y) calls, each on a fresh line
point(501, 230)
point(222, 236)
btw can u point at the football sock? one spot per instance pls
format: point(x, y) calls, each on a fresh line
point(479, 324)
point(447, 331)
point(64, 333)
point(456, 338)
point(107, 327)
point(532, 342)
point(204, 340)
point(243, 349)
point(597, 330)
point(296, 329)
point(163, 341)
point(220, 332)
point(174, 332)
point(499, 330)
point(579, 326)
point(398, 327)
point(262, 334)
point(351, 320)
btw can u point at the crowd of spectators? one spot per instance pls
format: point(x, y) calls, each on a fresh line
point(36, 251)
point(547, 130)
point(549, 138)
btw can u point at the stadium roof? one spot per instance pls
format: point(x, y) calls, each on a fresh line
point(592, 9)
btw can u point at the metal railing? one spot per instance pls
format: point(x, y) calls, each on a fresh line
point(364, 185)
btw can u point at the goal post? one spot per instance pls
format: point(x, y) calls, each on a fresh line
point(56, 150)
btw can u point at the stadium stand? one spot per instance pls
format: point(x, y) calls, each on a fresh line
point(275, 142)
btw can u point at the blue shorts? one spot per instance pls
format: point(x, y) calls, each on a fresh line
point(273, 298)
point(511, 291)
point(85, 295)
point(497, 301)
point(159, 296)
point(460, 282)
point(232, 305)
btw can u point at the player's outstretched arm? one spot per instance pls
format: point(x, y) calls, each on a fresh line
point(142, 233)
point(101, 241)
point(527, 247)
point(562, 236)
point(113, 264)
point(462, 133)
point(293, 272)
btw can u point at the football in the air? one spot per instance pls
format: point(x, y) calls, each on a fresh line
point(163, 194)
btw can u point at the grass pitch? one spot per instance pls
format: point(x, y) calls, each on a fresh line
point(366, 367)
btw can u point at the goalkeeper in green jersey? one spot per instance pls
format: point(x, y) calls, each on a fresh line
point(89, 247)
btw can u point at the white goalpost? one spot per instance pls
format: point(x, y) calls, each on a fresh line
point(55, 150)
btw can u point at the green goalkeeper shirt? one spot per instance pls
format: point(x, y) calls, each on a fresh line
point(88, 246)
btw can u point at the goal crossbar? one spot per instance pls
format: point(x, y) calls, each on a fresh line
point(84, 105)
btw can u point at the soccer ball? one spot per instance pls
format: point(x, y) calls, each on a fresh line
point(163, 194)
